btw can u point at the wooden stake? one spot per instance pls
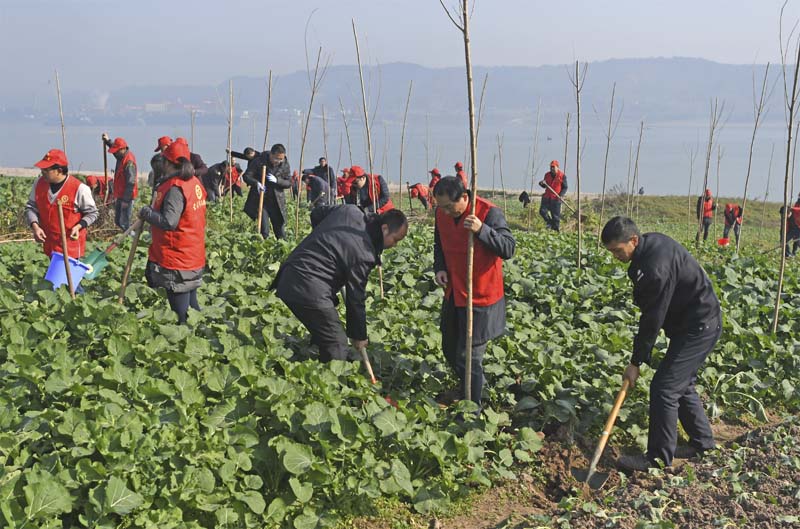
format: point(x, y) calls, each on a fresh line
point(766, 192)
point(331, 197)
point(402, 147)
point(230, 144)
point(269, 107)
point(64, 251)
point(502, 181)
point(137, 232)
point(609, 135)
point(577, 83)
point(714, 214)
point(566, 142)
point(261, 198)
point(105, 171)
point(61, 114)
point(534, 158)
point(192, 131)
point(347, 132)
point(636, 169)
point(713, 125)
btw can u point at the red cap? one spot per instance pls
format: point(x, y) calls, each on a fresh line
point(176, 151)
point(181, 139)
point(163, 141)
point(118, 144)
point(53, 157)
point(459, 165)
point(357, 171)
point(554, 163)
point(345, 170)
point(435, 171)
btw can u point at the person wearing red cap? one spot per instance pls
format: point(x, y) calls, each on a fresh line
point(99, 185)
point(163, 143)
point(177, 255)
point(420, 192)
point(125, 181)
point(220, 179)
point(459, 167)
point(343, 186)
point(366, 187)
point(705, 214)
point(494, 242)
point(733, 219)
point(555, 187)
point(272, 193)
point(55, 186)
point(435, 177)
point(200, 167)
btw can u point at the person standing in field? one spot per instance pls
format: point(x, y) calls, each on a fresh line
point(55, 186)
point(326, 173)
point(126, 186)
point(177, 255)
point(156, 175)
point(435, 177)
point(792, 229)
point(459, 167)
point(494, 242)
point(673, 293)
point(733, 220)
point(371, 191)
point(272, 193)
point(705, 213)
point(555, 187)
point(343, 247)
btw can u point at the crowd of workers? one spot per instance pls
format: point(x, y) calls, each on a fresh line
point(354, 221)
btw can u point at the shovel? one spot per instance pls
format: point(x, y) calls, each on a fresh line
point(98, 259)
point(559, 197)
point(591, 477)
point(368, 365)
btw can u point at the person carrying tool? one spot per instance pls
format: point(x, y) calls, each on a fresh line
point(494, 242)
point(420, 191)
point(705, 213)
point(367, 187)
point(55, 186)
point(177, 255)
point(326, 173)
point(673, 293)
point(126, 186)
point(459, 167)
point(343, 247)
point(733, 219)
point(317, 189)
point(555, 187)
point(272, 192)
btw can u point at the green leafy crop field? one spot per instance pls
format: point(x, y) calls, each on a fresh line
point(113, 416)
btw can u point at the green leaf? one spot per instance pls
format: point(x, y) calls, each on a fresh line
point(302, 491)
point(226, 515)
point(307, 520)
point(253, 499)
point(297, 458)
point(389, 421)
point(119, 499)
point(46, 498)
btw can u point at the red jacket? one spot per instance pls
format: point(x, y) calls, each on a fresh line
point(119, 176)
point(733, 213)
point(487, 272)
point(419, 190)
point(374, 192)
point(48, 217)
point(794, 216)
point(434, 180)
point(183, 248)
point(556, 182)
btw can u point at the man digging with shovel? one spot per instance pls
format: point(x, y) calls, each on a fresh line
point(673, 292)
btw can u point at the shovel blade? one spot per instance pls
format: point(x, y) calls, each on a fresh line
point(97, 260)
point(595, 481)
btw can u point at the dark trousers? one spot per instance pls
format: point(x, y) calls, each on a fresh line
point(706, 225)
point(276, 219)
point(123, 215)
point(673, 396)
point(550, 210)
point(424, 202)
point(181, 301)
point(792, 239)
point(736, 229)
point(325, 328)
point(454, 340)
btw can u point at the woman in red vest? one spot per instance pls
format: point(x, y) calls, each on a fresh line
point(493, 243)
point(125, 180)
point(705, 214)
point(41, 212)
point(733, 219)
point(367, 187)
point(177, 254)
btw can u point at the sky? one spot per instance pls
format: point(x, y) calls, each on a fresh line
point(105, 45)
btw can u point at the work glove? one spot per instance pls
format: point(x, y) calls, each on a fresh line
point(260, 187)
point(144, 213)
point(541, 184)
point(271, 178)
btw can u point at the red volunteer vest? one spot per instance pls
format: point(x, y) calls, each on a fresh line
point(119, 176)
point(377, 192)
point(185, 247)
point(419, 190)
point(708, 212)
point(555, 182)
point(487, 274)
point(733, 213)
point(795, 216)
point(48, 217)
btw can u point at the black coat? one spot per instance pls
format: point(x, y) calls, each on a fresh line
point(671, 289)
point(274, 197)
point(341, 251)
point(326, 173)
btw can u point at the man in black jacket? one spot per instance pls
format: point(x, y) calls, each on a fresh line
point(318, 190)
point(673, 292)
point(341, 251)
point(277, 180)
point(326, 174)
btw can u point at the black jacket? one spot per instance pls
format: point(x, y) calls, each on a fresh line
point(274, 197)
point(250, 161)
point(362, 195)
point(200, 167)
point(671, 289)
point(326, 174)
point(341, 251)
point(318, 187)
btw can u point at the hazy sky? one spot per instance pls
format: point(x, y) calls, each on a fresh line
point(106, 44)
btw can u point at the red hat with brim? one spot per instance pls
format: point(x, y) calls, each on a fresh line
point(181, 139)
point(176, 151)
point(554, 163)
point(53, 157)
point(163, 141)
point(118, 144)
point(357, 171)
point(435, 171)
point(459, 165)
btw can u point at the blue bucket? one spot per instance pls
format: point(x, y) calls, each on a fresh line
point(57, 275)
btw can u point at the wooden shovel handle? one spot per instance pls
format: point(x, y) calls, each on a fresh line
point(137, 226)
point(367, 364)
point(559, 197)
point(261, 197)
point(64, 251)
point(612, 417)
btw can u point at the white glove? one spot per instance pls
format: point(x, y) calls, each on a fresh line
point(271, 178)
point(260, 187)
